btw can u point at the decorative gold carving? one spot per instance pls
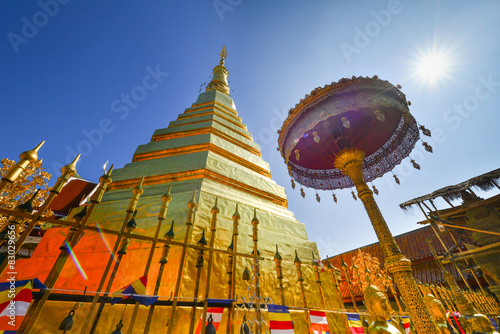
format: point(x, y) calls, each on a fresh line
point(350, 162)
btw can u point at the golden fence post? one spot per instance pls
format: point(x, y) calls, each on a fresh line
point(449, 297)
point(393, 291)
point(333, 272)
point(199, 266)
point(298, 264)
point(348, 280)
point(72, 238)
point(232, 268)
point(279, 273)
point(166, 199)
point(255, 237)
point(26, 157)
point(213, 226)
point(189, 222)
point(318, 279)
point(169, 236)
point(137, 191)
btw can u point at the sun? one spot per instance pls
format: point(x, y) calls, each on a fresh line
point(432, 67)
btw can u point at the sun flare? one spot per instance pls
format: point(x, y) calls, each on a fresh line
point(432, 67)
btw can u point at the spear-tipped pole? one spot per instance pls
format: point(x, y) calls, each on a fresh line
point(213, 227)
point(137, 192)
point(255, 234)
point(165, 201)
point(189, 222)
point(318, 279)
point(279, 273)
point(169, 236)
point(66, 172)
point(463, 304)
point(199, 266)
point(348, 281)
point(232, 268)
point(393, 291)
point(298, 265)
point(72, 238)
point(26, 157)
point(333, 272)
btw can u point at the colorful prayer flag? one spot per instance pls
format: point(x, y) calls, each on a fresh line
point(15, 298)
point(355, 324)
point(137, 291)
point(216, 313)
point(319, 324)
point(406, 323)
point(280, 321)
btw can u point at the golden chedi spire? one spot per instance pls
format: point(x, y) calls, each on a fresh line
point(219, 75)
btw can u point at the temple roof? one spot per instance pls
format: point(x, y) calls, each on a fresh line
point(485, 182)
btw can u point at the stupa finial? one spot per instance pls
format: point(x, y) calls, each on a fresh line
point(223, 55)
point(219, 75)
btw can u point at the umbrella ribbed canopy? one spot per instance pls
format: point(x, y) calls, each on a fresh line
point(369, 114)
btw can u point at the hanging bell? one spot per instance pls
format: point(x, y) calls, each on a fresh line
point(67, 323)
point(118, 328)
point(425, 131)
point(244, 327)
point(427, 147)
point(346, 123)
point(415, 165)
point(396, 178)
point(316, 137)
point(210, 328)
point(297, 155)
point(293, 184)
point(380, 116)
point(302, 193)
point(354, 195)
point(132, 225)
point(334, 198)
point(318, 198)
point(375, 190)
point(246, 274)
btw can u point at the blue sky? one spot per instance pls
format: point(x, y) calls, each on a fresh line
point(63, 64)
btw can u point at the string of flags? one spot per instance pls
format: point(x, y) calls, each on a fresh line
point(15, 299)
point(18, 293)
